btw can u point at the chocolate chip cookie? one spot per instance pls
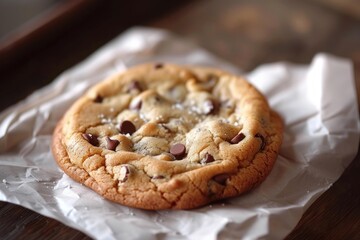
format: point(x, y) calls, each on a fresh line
point(161, 136)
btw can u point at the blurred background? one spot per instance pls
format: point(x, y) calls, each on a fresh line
point(39, 39)
point(45, 37)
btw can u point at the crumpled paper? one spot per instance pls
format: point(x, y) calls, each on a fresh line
point(321, 138)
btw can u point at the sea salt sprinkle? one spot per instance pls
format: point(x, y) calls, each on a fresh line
point(159, 118)
point(104, 119)
point(178, 106)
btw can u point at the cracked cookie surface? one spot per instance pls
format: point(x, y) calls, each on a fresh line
point(161, 136)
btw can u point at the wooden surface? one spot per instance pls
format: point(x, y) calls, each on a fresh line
point(44, 25)
point(246, 33)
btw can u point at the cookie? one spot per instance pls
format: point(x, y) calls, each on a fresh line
point(162, 136)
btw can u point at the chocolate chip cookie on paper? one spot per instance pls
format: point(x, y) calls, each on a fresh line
point(161, 136)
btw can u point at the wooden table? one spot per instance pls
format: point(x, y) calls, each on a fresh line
point(246, 33)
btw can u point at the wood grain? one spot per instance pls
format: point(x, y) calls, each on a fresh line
point(246, 33)
point(17, 223)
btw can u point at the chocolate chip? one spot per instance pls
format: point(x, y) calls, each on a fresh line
point(136, 106)
point(221, 178)
point(158, 177)
point(111, 144)
point(210, 107)
point(263, 143)
point(158, 65)
point(127, 127)
point(178, 151)
point(207, 159)
point(98, 99)
point(91, 138)
point(135, 85)
point(124, 173)
point(238, 138)
point(158, 98)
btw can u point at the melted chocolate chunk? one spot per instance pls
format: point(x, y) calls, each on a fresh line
point(238, 138)
point(178, 151)
point(136, 106)
point(98, 99)
point(263, 143)
point(127, 127)
point(158, 177)
point(135, 85)
point(221, 178)
point(91, 138)
point(207, 159)
point(158, 99)
point(158, 65)
point(211, 107)
point(124, 173)
point(111, 144)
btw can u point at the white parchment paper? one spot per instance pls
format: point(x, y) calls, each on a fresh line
point(321, 138)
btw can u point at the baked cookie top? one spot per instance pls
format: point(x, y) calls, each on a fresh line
point(161, 136)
